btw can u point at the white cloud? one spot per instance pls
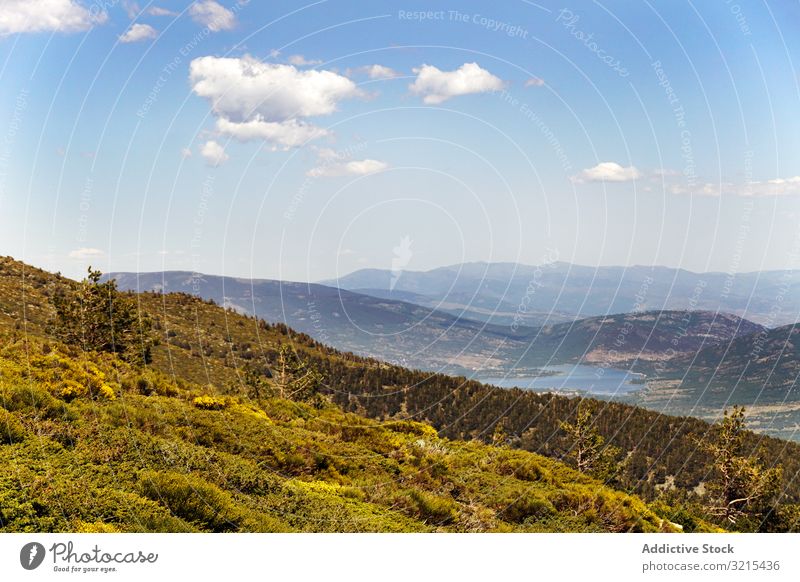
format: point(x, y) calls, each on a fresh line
point(85, 254)
point(534, 82)
point(301, 61)
point(284, 134)
point(214, 153)
point(437, 86)
point(381, 72)
point(267, 101)
point(138, 32)
point(607, 172)
point(47, 16)
point(351, 168)
point(243, 88)
point(212, 15)
point(186, 153)
point(158, 11)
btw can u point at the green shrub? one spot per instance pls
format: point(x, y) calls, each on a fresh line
point(11, 429)
point(527, 507)
point(192, 499)
point(34, 399)
point(434, 508)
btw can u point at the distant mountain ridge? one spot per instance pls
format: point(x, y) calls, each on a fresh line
point(504, 293)
point(403, 332)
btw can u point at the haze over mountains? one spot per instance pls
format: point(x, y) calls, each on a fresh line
point(534, 295)
point(482, 316)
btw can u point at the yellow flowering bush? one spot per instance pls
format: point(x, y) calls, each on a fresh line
point(107, 392)
point(69, 389)
point(210, 403)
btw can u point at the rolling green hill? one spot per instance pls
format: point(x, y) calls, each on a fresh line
point(92, 444)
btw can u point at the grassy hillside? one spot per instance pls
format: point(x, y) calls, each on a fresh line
point(154, 426)
point(91, 444)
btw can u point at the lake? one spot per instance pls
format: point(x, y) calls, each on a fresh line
point(571, 378)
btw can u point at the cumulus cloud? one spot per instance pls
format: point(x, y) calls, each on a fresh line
point(214, 153)
point(242, 88)
point(47, 16)
point(86, 254)
point(534, 82)
point(138, 32)
point(186, 153)
point(283, 134)
point(437, 86)
point(212, 15)
point(301, 61)
point(348, 168)
point(254, 100)
point(607, 172)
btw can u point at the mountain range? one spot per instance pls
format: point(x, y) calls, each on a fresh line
point(506, 293)
point(405, 333)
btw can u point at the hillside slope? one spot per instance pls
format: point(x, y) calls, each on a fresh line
point(144, 453)
point(624, 339)
point(761, 369)
point(92, 443)
point(208, 346)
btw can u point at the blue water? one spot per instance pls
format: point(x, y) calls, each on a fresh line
point(591, 379)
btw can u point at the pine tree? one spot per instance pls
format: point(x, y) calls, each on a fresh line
point(98, 317)
point(255, 380)
point(295, 378)
point(742, 487)
point(588, 449)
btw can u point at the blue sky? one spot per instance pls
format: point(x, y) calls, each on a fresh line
point(304, 141)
